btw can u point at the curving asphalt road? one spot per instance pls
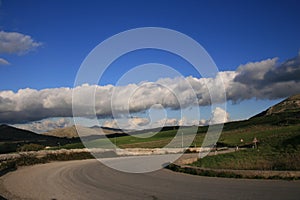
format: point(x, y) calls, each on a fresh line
point(89, 179)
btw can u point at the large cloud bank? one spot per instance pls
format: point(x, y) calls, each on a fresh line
point(266, 79)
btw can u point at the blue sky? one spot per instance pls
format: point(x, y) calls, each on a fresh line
point(232, 32)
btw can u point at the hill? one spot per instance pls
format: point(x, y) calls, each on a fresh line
point(12, 138)
point(9, 133)
point(71, 132)
point(289, 105)
point(284, 113)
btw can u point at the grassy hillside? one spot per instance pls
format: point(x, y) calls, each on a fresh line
point(278, 132)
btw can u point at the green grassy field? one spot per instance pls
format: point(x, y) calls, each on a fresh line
point(158, 140)
point(278, 149)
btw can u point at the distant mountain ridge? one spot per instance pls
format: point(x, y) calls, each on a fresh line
point(72, 131)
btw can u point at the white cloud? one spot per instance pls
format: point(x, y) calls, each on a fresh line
point(16, 43)
point(4, 62)
point(255, 70)
point(219, 116)
point(137, 122)
point(133, 123)
point(273, 80)
point(186, 122)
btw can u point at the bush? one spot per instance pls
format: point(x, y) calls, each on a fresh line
point(30, 147)
point(7, 166)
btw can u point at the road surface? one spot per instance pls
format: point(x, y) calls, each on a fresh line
point(89, 179)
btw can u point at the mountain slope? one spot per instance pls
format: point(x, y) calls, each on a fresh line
point(8, 133)
point(289, 105)
point(284, 113)
point(11, 138)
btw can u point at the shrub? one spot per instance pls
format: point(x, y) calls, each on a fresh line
point(30, 147)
